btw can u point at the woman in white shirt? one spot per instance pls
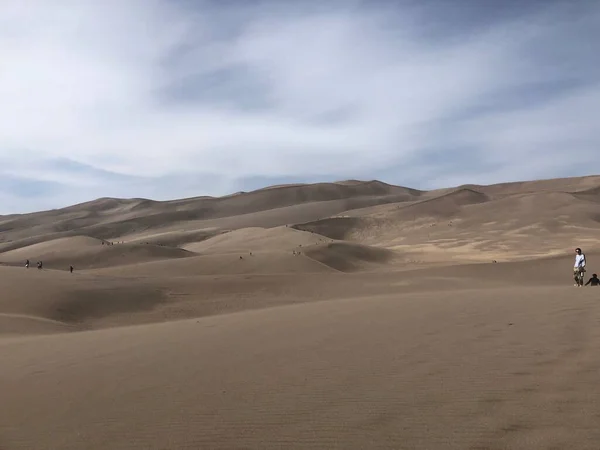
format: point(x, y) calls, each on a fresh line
point(579, 268)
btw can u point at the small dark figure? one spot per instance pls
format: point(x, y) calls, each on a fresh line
point(27, 264)
point(102, 242)
point(241, 257)
point(71, 269)
point(594, 281)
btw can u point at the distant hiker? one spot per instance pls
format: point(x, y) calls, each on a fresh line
point(579, 267)
point(594, 281)
point(27, 264)
point(71, 269)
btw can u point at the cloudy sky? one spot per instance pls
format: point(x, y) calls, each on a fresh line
point(174, 98)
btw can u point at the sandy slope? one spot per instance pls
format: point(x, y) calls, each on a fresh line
point(377, 318)
point(350, 257)
point(509, 368)
point(166, 290)
point(469, 226)
point(226, 264)
point(257, 239)
point(84, 253)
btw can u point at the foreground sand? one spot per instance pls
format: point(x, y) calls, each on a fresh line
point(466, 367)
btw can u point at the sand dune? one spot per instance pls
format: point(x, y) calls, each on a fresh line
point(69, 244)
point(336, 315)
point(169, 290)
point(470, 226)
point(257, 239)
point(348, 257)
point(446, 205)
point(20, 324)
point(574, 184)
point(74, 300)
point(85, 252)
point(227, 264)
point(113, 218)
point(174, 238)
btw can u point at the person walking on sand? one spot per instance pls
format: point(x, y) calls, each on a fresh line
point(579, 267)
point(27, 264)
point(594, 281)
point(71, 269)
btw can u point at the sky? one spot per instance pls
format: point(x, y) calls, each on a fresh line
point(167, 99)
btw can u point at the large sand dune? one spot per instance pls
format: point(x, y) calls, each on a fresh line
point(337, 315)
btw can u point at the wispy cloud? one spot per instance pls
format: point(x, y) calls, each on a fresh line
point(162, 98)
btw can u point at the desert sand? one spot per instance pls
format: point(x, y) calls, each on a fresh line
point(350, 315)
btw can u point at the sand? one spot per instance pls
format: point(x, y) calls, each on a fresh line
point(409, 320)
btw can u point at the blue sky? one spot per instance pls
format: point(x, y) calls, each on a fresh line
point(174, 98)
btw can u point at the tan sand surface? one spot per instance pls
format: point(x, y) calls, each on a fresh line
point(380, 317)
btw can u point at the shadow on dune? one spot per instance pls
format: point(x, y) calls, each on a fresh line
point(348, 257)
point(72, 299)
point(339, 228)
point(83, 306)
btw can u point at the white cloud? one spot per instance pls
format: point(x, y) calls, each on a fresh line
point(90, 81)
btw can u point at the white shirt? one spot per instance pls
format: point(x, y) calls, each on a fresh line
point(580, 260)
